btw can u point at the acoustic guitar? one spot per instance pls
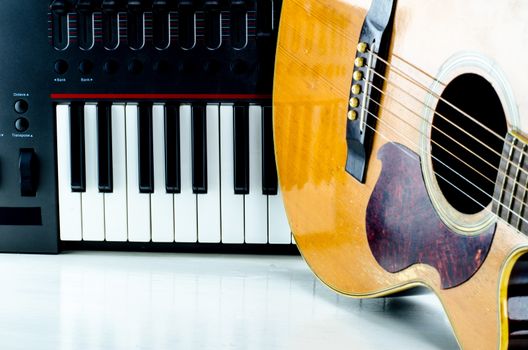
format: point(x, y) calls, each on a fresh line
point(400, 141)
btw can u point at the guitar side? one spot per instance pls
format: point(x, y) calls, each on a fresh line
point(327, 208)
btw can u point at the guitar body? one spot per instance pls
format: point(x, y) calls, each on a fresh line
point(394, 231)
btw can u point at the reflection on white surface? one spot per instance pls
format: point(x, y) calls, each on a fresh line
point(89, 300)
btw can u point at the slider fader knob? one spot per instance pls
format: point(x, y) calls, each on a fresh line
point(61, 36)
point(136, 24)
point(85, 10)
point(111, 10)
point(160, 25)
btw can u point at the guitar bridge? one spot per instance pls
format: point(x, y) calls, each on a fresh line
point(366, 85)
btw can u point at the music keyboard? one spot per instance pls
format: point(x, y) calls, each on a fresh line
point(138, 124)
point(168, 172)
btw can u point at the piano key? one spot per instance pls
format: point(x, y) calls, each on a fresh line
point(199, 149)
point(172, 149)
point(232, 204)
point(78, 175)
point(104, 142)
point(162, 204)
point(92, 199)
point(69, 202)
point(146, 171)
point(239, 28)
point(161, 24)
point(265, 16)
point(256, 204)
point(269, 168)
point(209, 203)
point(138, 203)
point(213, 26)
point(111, 25)
point(186, 24)
point(116, 202)
point(135, 25)
point(279, 228)
point(185, 207)
point(241, 149)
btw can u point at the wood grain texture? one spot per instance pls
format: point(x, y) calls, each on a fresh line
point(326, 206)
point(404, 229)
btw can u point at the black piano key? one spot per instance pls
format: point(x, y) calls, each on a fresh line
point(146, 161)
point(269, 167)
point(213, 31)
point(199, 149)
point(238, 24)
point(104, 147)
point(186, 24)
point(78, 168)
point(241, 149)
point(172, 149)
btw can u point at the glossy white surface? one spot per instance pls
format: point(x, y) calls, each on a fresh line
point(92, 300)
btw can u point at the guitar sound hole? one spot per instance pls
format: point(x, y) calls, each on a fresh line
point(464, 166)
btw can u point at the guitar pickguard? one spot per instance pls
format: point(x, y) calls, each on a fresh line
point(404, 229)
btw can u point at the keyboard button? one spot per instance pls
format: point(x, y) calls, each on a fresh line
point(104, 142)
point(172, 149)
point(209, 203)
point(269, 168)
point(69, 202)
point(161, 201)
point(199, 149)
point(146, 165)
point(241, 149)
point(185, 210)
point(256, 204)
point(78, 174)
point(138, 203)
point(92, 199)
point(232, 204)
point(116, 202)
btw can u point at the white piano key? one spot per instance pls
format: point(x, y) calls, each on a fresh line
point(70, 219)
point(279, 228)
point(161, 202)
point(185, 219)
point(232, 204)
point(256, 204)
point(116, 202)
point(209, 204)
point(92, 200)
point(138, 204)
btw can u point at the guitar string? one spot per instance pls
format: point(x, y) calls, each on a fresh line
point(422, 118)
point(428, 90)
point(519, 217)
point(456, 125)
point(493, 167)
point(515, 186)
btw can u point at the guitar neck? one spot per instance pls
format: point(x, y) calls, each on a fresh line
point(511, 187)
